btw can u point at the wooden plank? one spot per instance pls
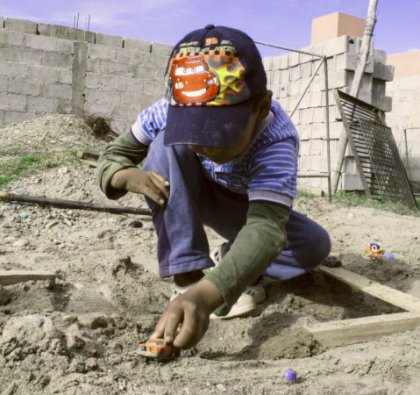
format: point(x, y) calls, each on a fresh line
point(387, 294)
point(359, 330)
point(9, 277)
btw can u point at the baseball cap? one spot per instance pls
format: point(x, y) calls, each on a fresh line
point(212, 75)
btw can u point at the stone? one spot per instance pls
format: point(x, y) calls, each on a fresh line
point(79, 340)
point(5, 296)
point(30, 329)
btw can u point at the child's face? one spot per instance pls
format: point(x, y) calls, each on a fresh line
point(224, 155)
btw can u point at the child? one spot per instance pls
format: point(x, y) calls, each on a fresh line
point(219, 153)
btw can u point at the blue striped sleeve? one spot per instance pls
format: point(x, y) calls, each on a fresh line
point(273, 172)
point(150, 122)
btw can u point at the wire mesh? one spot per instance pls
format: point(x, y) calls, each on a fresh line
point(381, 169)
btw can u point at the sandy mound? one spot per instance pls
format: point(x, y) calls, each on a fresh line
point(79, 337)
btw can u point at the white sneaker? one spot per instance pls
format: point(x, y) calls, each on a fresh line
point(247, 302)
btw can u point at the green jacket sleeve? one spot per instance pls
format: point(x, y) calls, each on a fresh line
point(258, 243)
point(125, 151)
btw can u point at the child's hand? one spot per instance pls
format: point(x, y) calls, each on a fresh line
point(148, 183)
point(186, 319)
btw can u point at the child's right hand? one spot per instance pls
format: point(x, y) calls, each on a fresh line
point(147, 183)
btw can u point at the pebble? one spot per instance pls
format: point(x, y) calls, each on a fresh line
point(24, 215)
point(21, 243)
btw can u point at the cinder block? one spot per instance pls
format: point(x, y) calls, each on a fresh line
point(137, 45)
point(108, 40)
point(332, 47)
point(20, 55)
point(58, 60)
point(316, 99)
point(413, 121)
point(276, 62)
point(306, 70)
point(318, 114)
point(11, 38)
point(295, 73)
point(337, 79)
point(65, 76)
point(20, 25)
point(60, 91)
point(383, 72)
point(154, 88)
point(65, 32)
point(42, 74)
point(42, 105)
point(268, 62)
point(101, 52)
point(351, 182)
point(40, 42)
point(19, 86)
point(337, 130)
point(294, 59)
point(107, 67)
point(379, 56)
point(294, 88)
point(384, 103)
point(2, 22)
point(12, 102)
point(161, 49)
point(3, 83)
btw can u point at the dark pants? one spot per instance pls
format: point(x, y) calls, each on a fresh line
point(194, 201)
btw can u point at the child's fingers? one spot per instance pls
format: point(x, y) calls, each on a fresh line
point(160, 185)
point(155, 195)
point(159, 178)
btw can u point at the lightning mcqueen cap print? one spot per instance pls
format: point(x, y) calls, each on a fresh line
point(211, 78)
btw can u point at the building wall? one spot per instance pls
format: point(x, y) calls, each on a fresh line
point(290, 74)
point(405, 116)
point(55, 69)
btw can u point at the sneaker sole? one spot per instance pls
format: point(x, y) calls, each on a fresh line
point(237, 312)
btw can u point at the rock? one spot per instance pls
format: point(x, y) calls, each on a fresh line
point(21, 243)
point(5, 296)
point(94, 320)
point(79, 341)
point(30, 330)
point(91, 364)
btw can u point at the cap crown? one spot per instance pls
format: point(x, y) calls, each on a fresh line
point(214, 66)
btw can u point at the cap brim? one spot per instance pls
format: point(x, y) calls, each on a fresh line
point(216, 126)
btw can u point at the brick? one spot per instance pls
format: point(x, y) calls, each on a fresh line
point(42, 105)
point(294, 89)
point(306, 70)
point(11, 102)
point(101, 52)
point(316, 99)
point(107, 67)
point(19, 25)
point(337, 130)
point(13, 69)
point(161, 49)
point(108, 40)
point(318, 114)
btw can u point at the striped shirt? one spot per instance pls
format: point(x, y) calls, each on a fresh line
point(266, 171)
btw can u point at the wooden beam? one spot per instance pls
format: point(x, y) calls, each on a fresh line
point(10, 277)
point(387, 294)
point(358, 330)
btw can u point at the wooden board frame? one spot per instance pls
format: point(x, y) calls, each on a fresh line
point(358, 330)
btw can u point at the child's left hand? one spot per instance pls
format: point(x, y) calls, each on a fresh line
point(186, 319)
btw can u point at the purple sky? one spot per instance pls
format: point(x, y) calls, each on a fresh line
point(282, 22)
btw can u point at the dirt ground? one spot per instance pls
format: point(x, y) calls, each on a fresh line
point(80, 336)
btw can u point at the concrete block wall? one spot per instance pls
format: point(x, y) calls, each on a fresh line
point(404, 119)
point(56, 69)
point(289, 76)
